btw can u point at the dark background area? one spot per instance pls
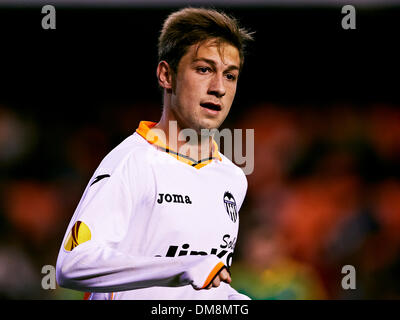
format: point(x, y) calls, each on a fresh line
point(300, 55)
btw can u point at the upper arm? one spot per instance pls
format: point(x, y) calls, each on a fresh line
point(107, 206)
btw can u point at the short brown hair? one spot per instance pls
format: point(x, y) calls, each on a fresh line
point(189, 26)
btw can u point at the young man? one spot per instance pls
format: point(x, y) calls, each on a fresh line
point(159, 218)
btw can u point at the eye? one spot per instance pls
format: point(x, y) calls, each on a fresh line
point(203, 69)
point(230, 76)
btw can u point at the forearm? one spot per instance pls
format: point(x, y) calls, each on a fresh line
point(98, 268)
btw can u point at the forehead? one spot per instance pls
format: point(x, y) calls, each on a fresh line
point(218, 51)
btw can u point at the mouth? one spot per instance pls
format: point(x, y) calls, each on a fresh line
point(211, 106)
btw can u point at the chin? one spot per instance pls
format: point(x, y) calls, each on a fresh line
point(209, 126)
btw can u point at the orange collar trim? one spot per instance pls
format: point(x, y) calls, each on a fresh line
point(145, 131)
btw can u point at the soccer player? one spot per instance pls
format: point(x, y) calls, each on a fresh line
point(159, 218)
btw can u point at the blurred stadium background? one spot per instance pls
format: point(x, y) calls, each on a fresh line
point(324, 103)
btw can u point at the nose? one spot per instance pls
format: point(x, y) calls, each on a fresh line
point(217, 86)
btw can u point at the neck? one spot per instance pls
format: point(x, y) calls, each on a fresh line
point(186, 142)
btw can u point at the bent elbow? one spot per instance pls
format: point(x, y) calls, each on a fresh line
point(63, 275)
point(67, 273)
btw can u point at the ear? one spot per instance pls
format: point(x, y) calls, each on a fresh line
point(165, 75)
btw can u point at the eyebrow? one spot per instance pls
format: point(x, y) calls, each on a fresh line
point(212, 62)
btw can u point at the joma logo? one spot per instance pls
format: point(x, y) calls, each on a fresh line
point(175, 198)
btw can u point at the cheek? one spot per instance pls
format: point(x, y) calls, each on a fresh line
point(227, 110)
point(188, 89)
point(230, 95)
point(232, 89)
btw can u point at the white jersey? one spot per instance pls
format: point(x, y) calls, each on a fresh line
point(153, 224)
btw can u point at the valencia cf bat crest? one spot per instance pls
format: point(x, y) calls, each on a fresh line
point(230, 206)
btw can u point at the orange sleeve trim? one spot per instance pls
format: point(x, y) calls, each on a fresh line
point(213, 273)
point(86, 295)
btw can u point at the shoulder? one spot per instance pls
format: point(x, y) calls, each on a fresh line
point(232, 166)
point(236, 179)
point(127, 161)
point(126, 165)
point(131, 150)
point(234, 171)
